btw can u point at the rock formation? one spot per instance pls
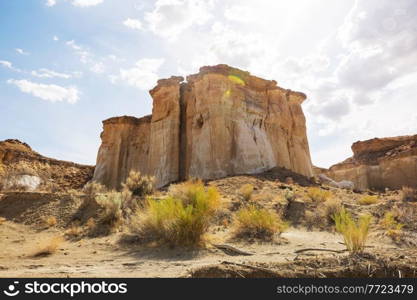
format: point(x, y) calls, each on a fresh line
point(380, 163)
point(220, 122)
point(26, 169)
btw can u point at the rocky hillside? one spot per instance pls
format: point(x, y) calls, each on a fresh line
point(22, 168)
point(380, 163)
point(220, 122)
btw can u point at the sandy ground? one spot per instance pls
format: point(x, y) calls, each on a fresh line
point(106, 257)
point(24, 232)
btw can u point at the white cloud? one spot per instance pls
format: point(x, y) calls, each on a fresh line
point(84, 54)
point(86, 3)
point(171, 17)
point(55, 38)
point(46, 73)
point(98, 68)
point(21, 51)
point(380, 40)
point(6, 64)
point(239, 13)
point(9, 65)
point(49, 92)
point(133, 23)
point(144, 75)
point(50, 3)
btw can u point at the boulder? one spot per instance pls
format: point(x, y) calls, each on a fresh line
point(23, 182)
point(344, 184)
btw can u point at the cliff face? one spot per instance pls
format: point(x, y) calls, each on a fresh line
point(124, 146)
point(380, 163)
point(221, 121)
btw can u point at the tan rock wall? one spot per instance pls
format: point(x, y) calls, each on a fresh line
point(124, 147)
point(380, 163)
point(221, 122)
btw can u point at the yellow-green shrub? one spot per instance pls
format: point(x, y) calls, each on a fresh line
point(182, 218)
point(354, 233)
point(318, 195)
point(258, 223)
point(368, 200)
point(392, 227)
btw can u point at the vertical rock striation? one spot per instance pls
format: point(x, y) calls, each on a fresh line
point(220, 122)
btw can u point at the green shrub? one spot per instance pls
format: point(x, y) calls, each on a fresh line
point(354, 233)
point(182, 218)
point(257, 223)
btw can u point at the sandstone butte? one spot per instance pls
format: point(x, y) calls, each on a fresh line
point(380, 163)
point(219, 122)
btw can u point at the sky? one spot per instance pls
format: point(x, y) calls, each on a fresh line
point(66, 65)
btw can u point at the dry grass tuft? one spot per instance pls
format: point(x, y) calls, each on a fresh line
point(50, 221)
point(368, 200)
point(408, 194)
point(407, 214)
point(48, 247)
point(74, 231)
point(2, 220)
point(354, 233)
point(246, 191)
point(392, 227)
point(259, 223)
point(91, 224)
point(331, 207)
point(182, 218)
point(318, 195)
point(314, 219)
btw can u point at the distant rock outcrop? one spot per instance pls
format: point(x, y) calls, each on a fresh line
point(220, 122)
point(23, 168)
point(380, 163)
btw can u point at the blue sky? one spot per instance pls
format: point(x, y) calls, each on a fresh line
point(66, 65)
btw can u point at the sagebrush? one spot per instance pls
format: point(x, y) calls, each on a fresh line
point(139, 185)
